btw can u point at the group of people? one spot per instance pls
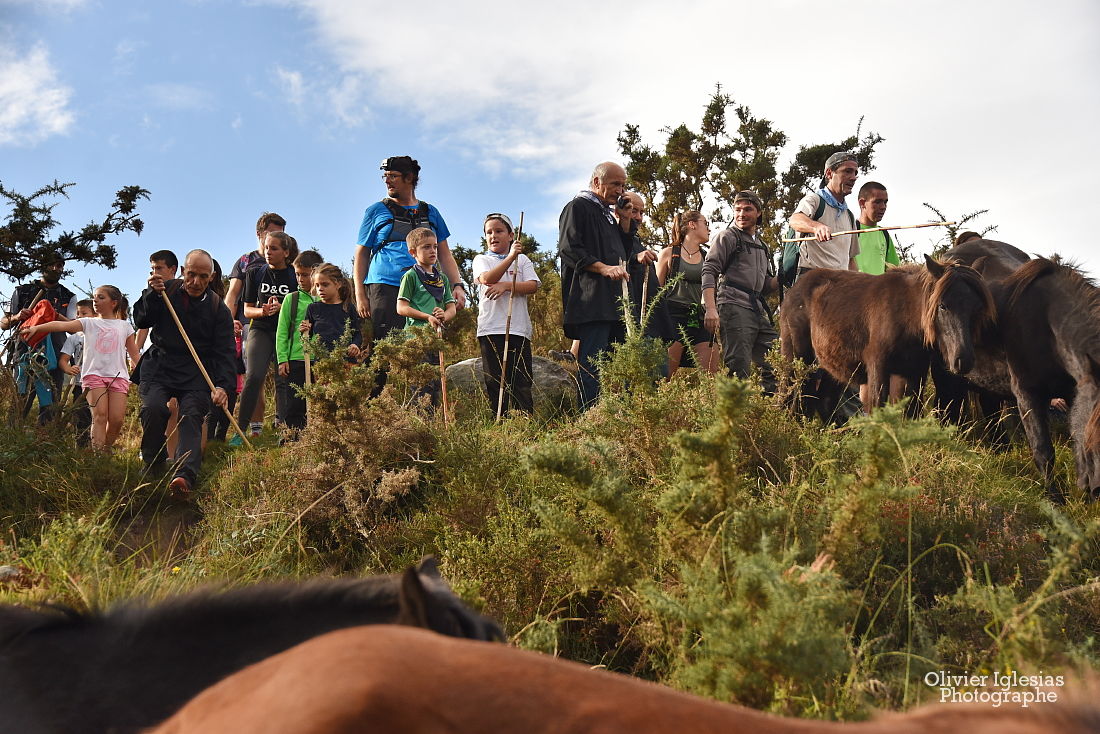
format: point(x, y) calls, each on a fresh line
point(721, 278)
point(211, 350)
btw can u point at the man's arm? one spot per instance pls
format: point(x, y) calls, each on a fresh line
point(450, 269)
point(714, 264)
point(359, 273)
point(802, 223)
point(236, 285)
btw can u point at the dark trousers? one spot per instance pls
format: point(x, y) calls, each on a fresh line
point(194, 405)
point(384, 319)
point(595, 337)
point(259, 357)
point(295, 403)
point(746, 337)
point(82, 416)
point(517, 380)
point(217, 422)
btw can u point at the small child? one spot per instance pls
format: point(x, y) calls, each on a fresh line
point(72, 357)
point(107, 342)
point(425, 291)
point(288, 341)
point(330, 316)
point(494, 272)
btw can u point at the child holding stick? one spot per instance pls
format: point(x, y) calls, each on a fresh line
point(506, 278)
point(108, 340)
point(333, 313)
point(288, 339)
point(424, 296)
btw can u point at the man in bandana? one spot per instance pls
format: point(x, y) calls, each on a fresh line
point(822, 213)
point(594, 250)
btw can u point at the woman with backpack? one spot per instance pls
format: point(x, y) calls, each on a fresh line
point(684, 260)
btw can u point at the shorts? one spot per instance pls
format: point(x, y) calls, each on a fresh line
point(113, 384)
point(688, 318)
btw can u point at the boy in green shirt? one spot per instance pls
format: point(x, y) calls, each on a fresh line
point(876, 249)
point(288, 339)
point(424, 297)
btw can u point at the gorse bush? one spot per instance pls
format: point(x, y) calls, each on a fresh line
point(693, 532)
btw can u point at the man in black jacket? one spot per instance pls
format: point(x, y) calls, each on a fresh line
point(167, 370)
point(594, 249)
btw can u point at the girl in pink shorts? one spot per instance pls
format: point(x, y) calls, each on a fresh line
point(108, 340)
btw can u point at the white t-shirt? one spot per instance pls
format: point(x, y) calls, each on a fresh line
point(493, 315)
point(74, 347)
point(105, 347)
point(836, 252)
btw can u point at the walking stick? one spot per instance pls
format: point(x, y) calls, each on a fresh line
point(645, 293)
point(443, 379)
point(508, 328)
point(875, 229)
point(202, 369)
point(309, 379)
point(626, 301)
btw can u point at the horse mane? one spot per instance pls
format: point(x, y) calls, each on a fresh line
point(934, 288)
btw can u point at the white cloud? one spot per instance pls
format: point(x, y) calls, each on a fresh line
point(339, 102)
point(237, 122)
point(63, 6)
point(292, 85)
point(34, 105)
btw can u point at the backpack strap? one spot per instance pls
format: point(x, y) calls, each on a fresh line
point(675, 261)
point(294, 299)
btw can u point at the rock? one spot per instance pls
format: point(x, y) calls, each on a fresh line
point(9, 572)
point(554, 389)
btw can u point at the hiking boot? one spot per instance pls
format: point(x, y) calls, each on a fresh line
point(180, 487)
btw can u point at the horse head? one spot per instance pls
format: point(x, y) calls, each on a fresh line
point(427, 601)
point(959, 305)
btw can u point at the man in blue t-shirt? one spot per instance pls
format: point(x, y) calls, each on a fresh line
point(382, 255)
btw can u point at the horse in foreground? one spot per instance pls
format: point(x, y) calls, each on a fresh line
point(1047, 344)
point(863, 328)
point(131, 667)
point(398, 679)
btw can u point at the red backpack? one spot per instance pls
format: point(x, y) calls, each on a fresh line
point(42, 313)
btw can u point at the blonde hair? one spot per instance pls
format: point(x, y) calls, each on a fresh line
point(419, 236)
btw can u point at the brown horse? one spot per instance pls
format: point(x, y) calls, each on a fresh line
point(1047, 344)
point(396, 679)
point(864, 328)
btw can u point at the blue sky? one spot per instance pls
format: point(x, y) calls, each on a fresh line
point(225, 109)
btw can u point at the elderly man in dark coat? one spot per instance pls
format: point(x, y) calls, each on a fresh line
point(593, 249)
point(167, 370)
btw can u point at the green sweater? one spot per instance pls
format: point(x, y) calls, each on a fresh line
point(288, 341)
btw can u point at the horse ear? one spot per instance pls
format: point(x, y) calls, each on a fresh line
point(413, 601)
point(935, 267)
point(429, 566)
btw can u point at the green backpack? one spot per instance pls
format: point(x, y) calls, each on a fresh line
point(788, 264)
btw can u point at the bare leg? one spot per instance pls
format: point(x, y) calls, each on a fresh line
point(116, 416)
point(675, 352)
point(97, 399)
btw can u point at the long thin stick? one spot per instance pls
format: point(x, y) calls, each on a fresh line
point(443, 379)
point(626, 301)
point(309, 379)
point(508, 326)
point(202, 369)
point(645, 296)
point(875, 229)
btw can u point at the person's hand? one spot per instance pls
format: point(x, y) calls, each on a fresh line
point(23, 315)
point(439, 313)
point(1059, 404)
point(219, 397)
point(284, 369)
point(822, 232)
point(496, 290)
point(238, 328)
point(435, 321)
point(304, 328)
point(362, 303)
point(156, 283)
point(354, 351)
point(29, 331)
point(647, 256)
point(71, 369)
point(710, 320)
point(517, 248)
point(272, 306)
point(615, 272)
point(459, 293)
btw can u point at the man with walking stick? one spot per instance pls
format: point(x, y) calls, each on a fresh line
point(822, 213)
point(192, 340)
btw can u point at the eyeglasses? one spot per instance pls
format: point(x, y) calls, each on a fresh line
point(392, 176)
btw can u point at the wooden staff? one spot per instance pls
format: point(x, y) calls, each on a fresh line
point(443, 379)
point(626, 301)
point(309, 378)
point(202, 369)
point(645, 295)
point(508, 326)
point(874, 229)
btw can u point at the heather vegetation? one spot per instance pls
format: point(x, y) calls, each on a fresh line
point(692, 532)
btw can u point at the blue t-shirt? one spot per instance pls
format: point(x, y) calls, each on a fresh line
point(389, 263)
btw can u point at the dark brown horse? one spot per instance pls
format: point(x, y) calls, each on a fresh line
point(863, 328)
point(398, 679)
point(129, 668)
point(1046, 345)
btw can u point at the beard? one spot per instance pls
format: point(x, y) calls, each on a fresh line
point(51, 278)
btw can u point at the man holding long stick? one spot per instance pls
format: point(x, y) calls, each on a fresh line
point(823, 213)
point(168, 369)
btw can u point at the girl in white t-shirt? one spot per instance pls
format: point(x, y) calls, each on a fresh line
point(493, 272)
point(105, 376)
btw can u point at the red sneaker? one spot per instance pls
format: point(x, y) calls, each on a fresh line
point(180, 487)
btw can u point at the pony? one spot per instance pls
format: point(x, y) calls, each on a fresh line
point(1046, 345)
point(130, 667)
point(863, 328)
point(398, 679)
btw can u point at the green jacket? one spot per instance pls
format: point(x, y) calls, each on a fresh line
point(288, 342)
